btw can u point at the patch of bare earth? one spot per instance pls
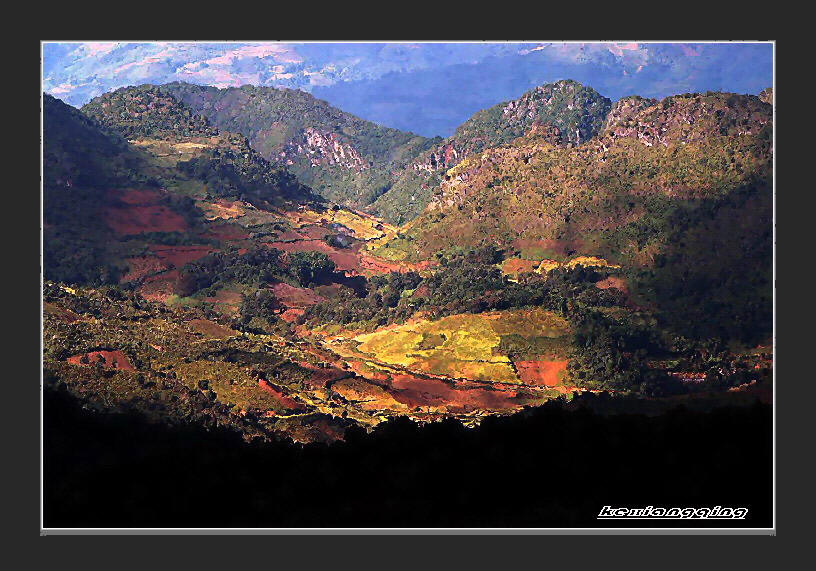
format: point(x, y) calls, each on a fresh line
point(541, 373)
point(108, 359)
point(612, 282)
point(137, 211)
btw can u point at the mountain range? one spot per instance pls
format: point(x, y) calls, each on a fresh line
point(256, 258)
point(356, 162)
point(425, 88)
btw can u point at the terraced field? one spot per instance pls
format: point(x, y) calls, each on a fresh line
point(474, 347)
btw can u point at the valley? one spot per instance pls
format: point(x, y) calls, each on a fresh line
point(254, 259)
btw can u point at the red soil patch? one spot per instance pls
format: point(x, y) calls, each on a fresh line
point(164, 258)
point(314, 232)
point(295, 297)
point(540, 373)
point(109, 360)
point(225, 232)
point(179, 255)
point(372, 265)
point(60, 313)
point(225, 301)
point(291, 315)
point(612, 282)
point(420, 392)
point(141, 211)
point(280, 397)
point(421, 291)
point(288, 235)
point(138, 196)
point(328, 290)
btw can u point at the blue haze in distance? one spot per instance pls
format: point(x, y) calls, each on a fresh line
point(427, 88)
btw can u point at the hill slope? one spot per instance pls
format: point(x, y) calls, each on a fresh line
point(364, 165)
point(224, 160)
point(568, 111)
point(539, 267)
point(344, 158)
point(677, 191)
point(107, 199)
point(81, 160)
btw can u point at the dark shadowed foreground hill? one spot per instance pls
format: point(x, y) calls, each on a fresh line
point(545, 467)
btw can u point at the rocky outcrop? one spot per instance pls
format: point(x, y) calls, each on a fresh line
point(562, 112)
point(686, 118)
point(442, 157)
point(578, 111)
point(323, 148)
point(624, 111)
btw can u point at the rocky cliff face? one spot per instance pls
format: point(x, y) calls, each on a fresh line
point(766, 95)
point(323, 149)
point(625, 109)
point(442, 157)
point(577, 112)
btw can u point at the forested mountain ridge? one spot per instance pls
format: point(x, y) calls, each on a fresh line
point(677, 191)
point(568, 111)
point(225, 160)
point(146, 111)
point(576, 110)
point(686, 146)
point(344, 158)
point(355, 162)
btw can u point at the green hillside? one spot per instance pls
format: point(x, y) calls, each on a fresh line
point(676, 191)
point(342, 157)
point(146, 111)
point(571, 112)
point(81, 161)
point(224, 161)
point(364, 165)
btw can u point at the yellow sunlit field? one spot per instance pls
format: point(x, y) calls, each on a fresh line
point(170, 152)
point(363, 227)
point(516, 266)
point(222, 209)
point(461, 346)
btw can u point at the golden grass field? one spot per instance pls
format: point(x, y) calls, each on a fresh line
point(460, 346)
